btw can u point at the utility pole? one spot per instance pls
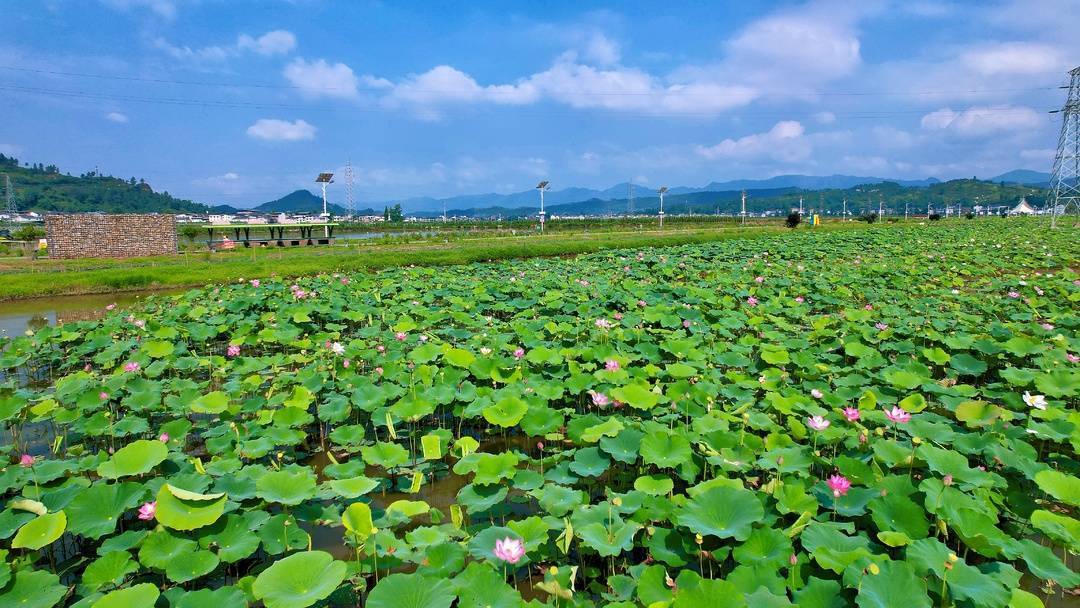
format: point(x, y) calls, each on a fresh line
point(543, 186)
point(845, 208)
point(800, 205)
point(880, 207)
point(743, 212)
point(1065, 177)
point(905, 211)
point(349, 203)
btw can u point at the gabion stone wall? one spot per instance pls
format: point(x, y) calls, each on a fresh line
point(101, 235)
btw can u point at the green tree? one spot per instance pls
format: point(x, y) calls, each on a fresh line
point(396, 214)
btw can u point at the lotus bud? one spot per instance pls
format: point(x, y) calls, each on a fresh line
point(616, 501)
point(879, 431)
point(553, 571)
point(793, 560)
point(650, 530)
point(874, 569)
point(953, 558)
point(698, 539)
point(916, 440)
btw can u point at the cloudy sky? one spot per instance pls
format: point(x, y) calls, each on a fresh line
point(241, 101)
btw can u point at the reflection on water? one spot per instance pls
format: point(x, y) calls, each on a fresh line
point(22, 315)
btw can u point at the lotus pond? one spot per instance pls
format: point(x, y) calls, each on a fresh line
point(884, 417)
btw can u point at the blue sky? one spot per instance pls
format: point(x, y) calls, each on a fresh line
point(240, 102)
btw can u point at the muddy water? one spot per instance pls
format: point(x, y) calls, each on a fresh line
point(19, 316)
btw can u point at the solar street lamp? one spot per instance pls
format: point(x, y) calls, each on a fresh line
point(323, 179)
point(661, 192)
point(543, 187)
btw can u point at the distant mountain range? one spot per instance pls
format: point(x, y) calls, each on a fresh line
point(1024, 177)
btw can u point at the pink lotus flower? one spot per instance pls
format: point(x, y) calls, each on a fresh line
point(26, 461)
point(379, 370)
point(1072, 358)
point(344, 280)
point(852, 414)
point(255, 282)
point(947, 480)
point(148, 510)
point(881, 326)
point(641, 303)
point(400, 336)
point(793, 560)
point(131, 366)
point(110, 307)
point(540, 445)
point(817, 423)
point(233, 350)
point(686, 323)
point(759, 279)
point(345, 363)
point(163, 438)
point(752, 301)
point(599, 399)
point(816, 394)
point(611, 365)
point(139, 323)
point(603, 324)
point(898, 415)
point(337, 348)
point(839, 485)
point(618, 316)
point(1048, 326)
point(510, 550)
point(1013, 294)
point(103, 396)
point(800, 299)
point(380, 348)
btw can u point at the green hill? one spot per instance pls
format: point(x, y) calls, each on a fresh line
point(42, 187)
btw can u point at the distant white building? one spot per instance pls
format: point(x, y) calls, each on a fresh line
point(1022, 208)
point(221, 218)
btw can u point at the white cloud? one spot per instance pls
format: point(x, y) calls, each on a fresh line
point(162, 8)
point(276, 42)
point(273, 129)
point(601, 49)
point(446, 84)
point(1040, 154)
point(116, 117)
point(825, 118)
point(322, 79)
point(976, 121)
point(1015, 58)
point(784, 142)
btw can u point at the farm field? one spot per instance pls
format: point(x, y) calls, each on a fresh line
point(878, 417)
point(27, 278)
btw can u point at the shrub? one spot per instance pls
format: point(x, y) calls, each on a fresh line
point(28, 232)
point(935, 217)
point(969, 215)
point(793, 219)
point(870, 218)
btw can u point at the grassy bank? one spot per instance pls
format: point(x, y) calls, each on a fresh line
point(32, 278)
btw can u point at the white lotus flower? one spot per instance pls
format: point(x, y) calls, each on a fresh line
point(1036, 401)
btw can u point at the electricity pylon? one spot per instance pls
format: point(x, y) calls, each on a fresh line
point(1065, 177)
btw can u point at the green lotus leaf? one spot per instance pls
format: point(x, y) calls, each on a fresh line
point(33, 589)
point(636, 395)
point(1059, 383)
point(459, 357)
point(507, 412)
point(299, 580)
point(95, 511)
point(654, 485)
point(1061, 528)
point(385, 455)
point(481, 587)
point(710, 593)
point(832, 549)
point(162, 547)
point(1043, 563)
point(135, 458)
point(157, 349)
point(281, 533)
point(143, 595)
point(410, 508)
point(211, 403)
point(977, 414)
point(665, 449)
point(1062, 487)
point(290, 486)
point(301, 397)
point(177, 509)
point(590, 462)
point(764, 546)
point(411, 591)
point(480, 498)
point(109, 569)
point(608, 428)
point(723, 512)
point(232, 538)
point(357, 520)
point(610, 538)
point(353, 487)
point(40, 531)
point(895, 586)
point(222, 597)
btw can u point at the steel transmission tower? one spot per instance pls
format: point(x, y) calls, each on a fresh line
point(1065, 177)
